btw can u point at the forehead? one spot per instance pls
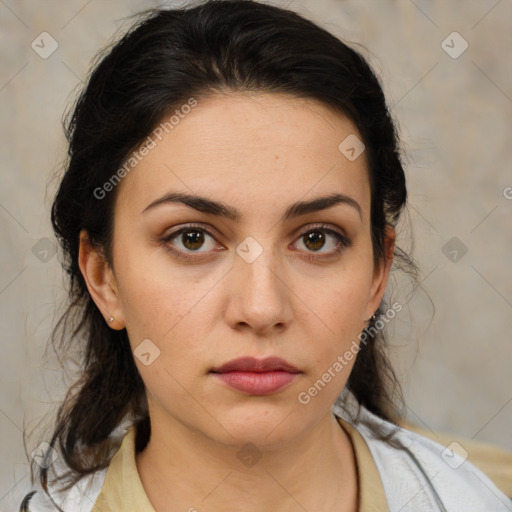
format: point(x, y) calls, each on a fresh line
point(256, 150)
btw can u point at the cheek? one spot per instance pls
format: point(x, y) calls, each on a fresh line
point(341, 301)
point(172, 308)
point(155, 296)
point(334, 320)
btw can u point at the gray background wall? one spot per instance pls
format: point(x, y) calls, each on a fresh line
point(455, 120)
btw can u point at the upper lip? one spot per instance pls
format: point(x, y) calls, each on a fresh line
point(251, 364)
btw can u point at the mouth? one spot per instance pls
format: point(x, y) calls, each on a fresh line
point(256, 377)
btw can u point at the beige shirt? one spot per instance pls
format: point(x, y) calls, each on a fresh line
point(371, 491)
point(122, 490)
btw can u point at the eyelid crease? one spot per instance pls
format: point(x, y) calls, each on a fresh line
point(342, 240)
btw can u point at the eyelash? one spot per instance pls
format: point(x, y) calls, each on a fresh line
point(341, 240)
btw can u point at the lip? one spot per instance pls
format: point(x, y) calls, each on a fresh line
point(251, 364)
point(256, 376)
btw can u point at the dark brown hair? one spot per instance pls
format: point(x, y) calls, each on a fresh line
point(168, 57)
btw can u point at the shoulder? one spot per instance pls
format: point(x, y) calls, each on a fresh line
point(419, 474)
point(83, 495)
point(80, 498)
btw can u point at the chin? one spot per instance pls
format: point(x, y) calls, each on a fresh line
point(263, 425)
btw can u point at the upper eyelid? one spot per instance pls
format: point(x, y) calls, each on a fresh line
point(299, 232)
point(207, 227)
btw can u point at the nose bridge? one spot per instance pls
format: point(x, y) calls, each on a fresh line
point(262, 294)
point(259, 267)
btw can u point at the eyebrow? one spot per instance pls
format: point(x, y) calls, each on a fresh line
point(205, 205)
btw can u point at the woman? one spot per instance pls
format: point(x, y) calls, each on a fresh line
point(228, 215)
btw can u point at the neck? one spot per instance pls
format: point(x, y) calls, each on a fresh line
point(182, 470)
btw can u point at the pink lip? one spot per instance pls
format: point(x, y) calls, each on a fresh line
point(256, 377)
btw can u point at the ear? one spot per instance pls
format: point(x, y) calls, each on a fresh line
point(100, 281)
point(381, 273)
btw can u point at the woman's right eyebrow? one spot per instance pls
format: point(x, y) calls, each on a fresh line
point(218, 208)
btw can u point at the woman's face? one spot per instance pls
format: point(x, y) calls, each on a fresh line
point(266, 265)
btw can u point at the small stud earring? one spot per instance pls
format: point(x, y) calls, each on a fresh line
point(371, 318)
point(111, 319)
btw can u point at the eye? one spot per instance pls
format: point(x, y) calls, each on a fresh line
point(187, 240)
point(317, 238)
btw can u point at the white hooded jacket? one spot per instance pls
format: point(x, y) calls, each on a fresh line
point(422, 477)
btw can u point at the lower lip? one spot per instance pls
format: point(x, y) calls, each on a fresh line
point(257, 383)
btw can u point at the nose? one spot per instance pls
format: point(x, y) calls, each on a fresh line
point(259, 295)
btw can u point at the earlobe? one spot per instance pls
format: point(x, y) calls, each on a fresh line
point(100, 282)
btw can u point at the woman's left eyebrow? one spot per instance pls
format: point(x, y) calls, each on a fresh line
point(206, 205)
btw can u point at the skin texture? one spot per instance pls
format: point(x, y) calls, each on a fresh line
point(258, 153)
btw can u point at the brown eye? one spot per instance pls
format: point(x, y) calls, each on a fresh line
point(314, 240)
point(192, 240)
point(322, 237)
point(189, 242)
